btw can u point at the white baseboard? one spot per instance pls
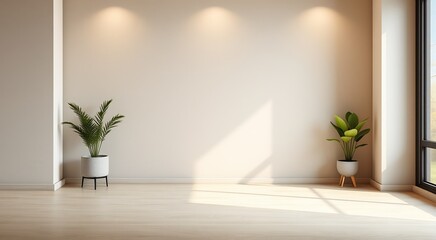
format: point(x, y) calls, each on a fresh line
point(390, 187)
point(223, 180)
point(424, 193)
point(33, 187)
point(58, 185)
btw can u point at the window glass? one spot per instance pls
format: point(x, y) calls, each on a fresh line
point(430, 174)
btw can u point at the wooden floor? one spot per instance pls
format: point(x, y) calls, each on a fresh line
point(216, 211)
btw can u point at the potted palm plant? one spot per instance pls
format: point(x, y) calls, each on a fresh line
point(93, 131)
point(350, 133)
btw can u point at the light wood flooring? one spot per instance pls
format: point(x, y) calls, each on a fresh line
point(215, 211)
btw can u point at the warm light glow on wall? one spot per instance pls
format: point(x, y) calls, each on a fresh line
point(321, 22)
point(320, 17)
point(215, 18)
point(319, 31)
point(115, 17)
point(115, 27)
point(214, 26)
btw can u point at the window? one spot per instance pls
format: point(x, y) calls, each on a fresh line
point(426, 94)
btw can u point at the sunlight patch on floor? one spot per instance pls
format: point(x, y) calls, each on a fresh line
point(260, 189)
point(385, 210)
point(261, 201)
point(356, 195)
point(354, 202)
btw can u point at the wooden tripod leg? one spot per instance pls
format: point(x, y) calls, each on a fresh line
point(343, 181)
point(354, 181)
point(340, 180)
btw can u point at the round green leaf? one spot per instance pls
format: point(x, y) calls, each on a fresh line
point(353, 120)
point(351, 133)
point(341, 123)
point(360, 125)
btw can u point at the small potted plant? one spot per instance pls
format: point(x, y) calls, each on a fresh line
point(350, 133)
point(93, 131)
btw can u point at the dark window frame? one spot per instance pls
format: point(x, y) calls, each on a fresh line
point(422, 74)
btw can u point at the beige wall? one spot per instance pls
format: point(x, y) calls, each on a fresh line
point(394, 93)
point(221, 90)
point(27, 95)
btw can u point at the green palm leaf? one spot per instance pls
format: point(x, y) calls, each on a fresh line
point(115, 120)
point(93, 130)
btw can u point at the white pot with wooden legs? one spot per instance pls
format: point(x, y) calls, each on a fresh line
point(347, 168)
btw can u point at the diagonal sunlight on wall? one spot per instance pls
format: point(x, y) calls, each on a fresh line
point(249, 145)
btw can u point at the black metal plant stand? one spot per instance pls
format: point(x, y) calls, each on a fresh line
point(95, 181)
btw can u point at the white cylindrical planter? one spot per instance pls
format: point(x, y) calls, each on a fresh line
point(347, 168)
point(95, 166)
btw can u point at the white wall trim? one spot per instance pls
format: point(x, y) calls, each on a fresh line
point(375, 184)
point(57, 97)
point(424, 193)
point(58, 185)
point(29, 187)
point(222, 180)
point(33, 187)
point(390, 187)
